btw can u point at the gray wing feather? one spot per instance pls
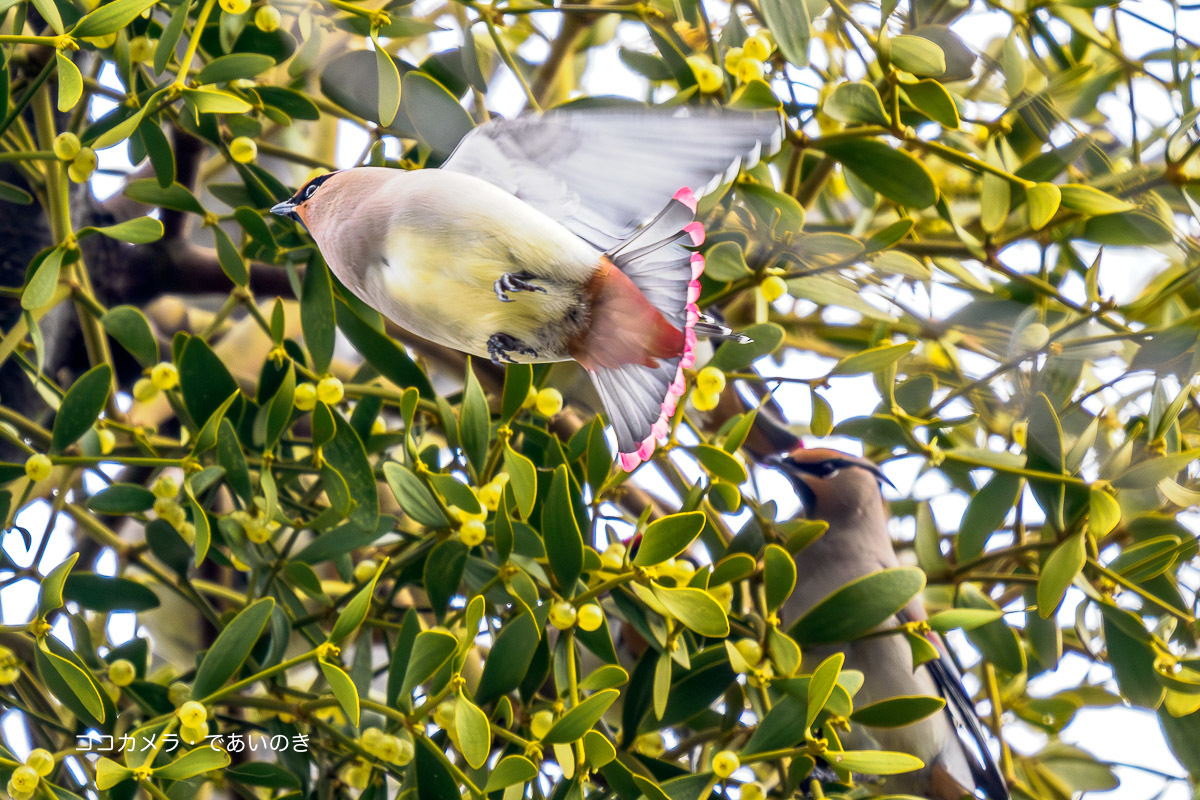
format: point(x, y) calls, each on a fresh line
point(602, 173)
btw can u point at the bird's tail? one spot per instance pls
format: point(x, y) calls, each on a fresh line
point(641, 397)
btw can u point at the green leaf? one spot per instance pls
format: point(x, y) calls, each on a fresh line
point(215, 101)
point(431, 650)
point(40, 289)
point(896, 712)
point(232, 647)
point(964, 618)
point(104, 594)
point(233, 66)
point(918, 55)
point(1060, 569)
point(997, 641)
point(1148, 473)
point(667, 537)
point(1105, 513)
point(724, 262)
point(874, 762)
point(110, 18)
point(50, 593)
point(232, 460)
point(81, 406)
point(356, 610)
point(70, 82)
point(8, 192)
point(230, 258)
point(564, 543)
point(598, 749)
point(121, 498)
point(720, 464)
point(1091, 201)
point(934, 101)
point(893, 173)
point(346, 454)
point(317, 315)
point(734, 356)
point(109, 773)
point(343, 689)
point(49, 12)
point(985, 514)
point(856, 102)
point(662, 683)
point(1042, 200)
point(192, 763)
point(474, 732)
point(473, 426)
point(81, 683)
point(580, 719)
point(510, 771)
point(523, 479)
point(518, 378)
point(509, 659)
point(872, 359)
point(821, 685)
point(779, 575)
point(789, 21)
point(380, 351)
point(175, 197)
point(139, 230)
point(695, 608)
point(389, 84)
point(859, 606)
point(438, 118)
point(443, 573)
point(413, 497)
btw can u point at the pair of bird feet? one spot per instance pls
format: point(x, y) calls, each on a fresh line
point(501, 345)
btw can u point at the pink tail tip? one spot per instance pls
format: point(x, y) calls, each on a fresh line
point(629, 461)
point(686, 197)
point(696, 231)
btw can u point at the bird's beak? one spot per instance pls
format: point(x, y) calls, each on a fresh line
point(286, 209)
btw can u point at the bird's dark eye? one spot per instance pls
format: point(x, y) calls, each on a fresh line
point(310, 190)
point(824, 469)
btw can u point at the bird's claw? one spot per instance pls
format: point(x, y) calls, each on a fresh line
point(499, 345)
point(515, 282)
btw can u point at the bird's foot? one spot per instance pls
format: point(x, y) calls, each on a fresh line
point(515, 282)
point(499, 345)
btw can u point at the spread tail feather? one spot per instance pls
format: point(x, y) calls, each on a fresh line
point(641, 397)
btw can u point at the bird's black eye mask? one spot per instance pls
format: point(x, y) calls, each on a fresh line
point(288, 207)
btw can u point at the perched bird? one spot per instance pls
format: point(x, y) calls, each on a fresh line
point(550, 237)
point(844, 491)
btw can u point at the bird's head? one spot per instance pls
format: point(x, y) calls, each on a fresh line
point(831, 482)
point(300, 206)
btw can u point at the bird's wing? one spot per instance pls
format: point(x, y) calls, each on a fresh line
point(970, 730)
point(604, 172)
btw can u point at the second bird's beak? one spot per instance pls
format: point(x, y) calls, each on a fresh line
point(286, 209)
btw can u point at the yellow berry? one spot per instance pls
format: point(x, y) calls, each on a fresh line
point(711, 380)
point(178, 693)
point(24, 778)
point(144, 390)
point(66, 146)
point(82, 165)
point(17, 794)
point(649, 744)
point(170, 510)
point(141, 49)
point(725, 763)
point(102, 42)
point(530, 398)
point(235, 6)
point(330, 391)
point(305, 397)
point(443, 715)
point(750, 649)
point(750, 69)
point(38, 466)
point(732, 56)
point(723, 594)
point(41, 761)
point(753, 791)
point(371, 739)
point(541, 723)
point(363, 572)
point(121, 672)
point(472, 532)
point(613, 557)
point(165, 376)
point(165, 487)
point(404, 751)
point(757, 47)
point(358, 774)
point(563, 615)
point(193, 734)
point(683, 571)
point(107, 441)
point(549, 402)
point(708, 77)
point(773, 288)
point(705, 401)
point(257, 531)
point(590, 616)
point(267, 18)
point(192, 713)
point(243, 150)
point(489, 495)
